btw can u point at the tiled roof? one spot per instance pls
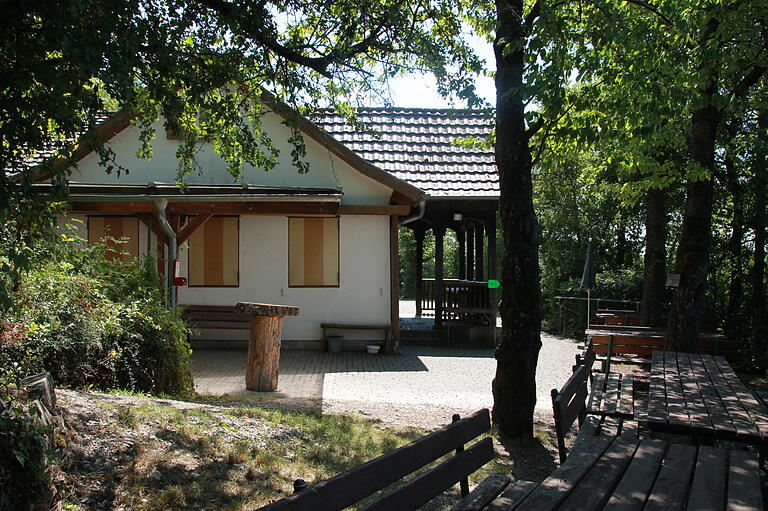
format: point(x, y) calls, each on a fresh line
point(418, 145)
point(38, 156)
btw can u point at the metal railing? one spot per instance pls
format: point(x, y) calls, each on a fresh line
point(595, 304)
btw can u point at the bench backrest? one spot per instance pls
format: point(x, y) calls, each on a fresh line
point(350, 487)
point(587, 357)
point(569, 404)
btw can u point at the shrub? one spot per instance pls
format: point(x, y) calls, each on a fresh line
point(91, 321)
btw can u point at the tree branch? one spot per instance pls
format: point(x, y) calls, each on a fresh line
point(748, 81)
point(650, 8)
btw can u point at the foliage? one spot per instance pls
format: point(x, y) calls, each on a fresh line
point(24, 450)
point(204, 67)
point(92, 321)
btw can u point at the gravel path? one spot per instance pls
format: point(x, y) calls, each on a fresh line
point(422, 386)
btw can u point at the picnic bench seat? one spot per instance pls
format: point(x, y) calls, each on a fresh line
point(215, 317)
point(363, 481)
point(612, 394)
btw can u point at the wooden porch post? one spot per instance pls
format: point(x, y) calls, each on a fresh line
point(479, 252)
point(461, 237)
point(490, 227)
point(419, 235)
point(392, 345)
point(439, 283)
point(470, 253)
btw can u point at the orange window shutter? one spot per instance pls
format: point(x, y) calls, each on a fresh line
point(214, 253)
point(109, 229)
point(313, 252)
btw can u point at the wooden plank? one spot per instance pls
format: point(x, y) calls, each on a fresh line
point(625, 407)
point(345, 489)
point(629, 428)
point(596, 396)
point(611, 398)
point(700, 421)
point(512, 496)
point(708, 488)
point(637, 481)
point(744, 493)
point(757, 411)
point(610, 427)
point(483, 494)
point(670, 491)
point(587, 431)
point(422, 489)
point(739, 417)
point(555, 488)
point(596, 488)
point(722, 426)
point(679, 420)
point(657, 408)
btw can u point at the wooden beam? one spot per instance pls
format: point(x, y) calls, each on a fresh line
point(192, 225)
point(396, 210)
point(151, 223)
point(112, 207)
point(308, 209)
point(419, 235)
point(479, 257)
point(461, 235)
point(394, 284)
point(439, 282)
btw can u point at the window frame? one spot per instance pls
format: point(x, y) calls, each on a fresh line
point(237, 252)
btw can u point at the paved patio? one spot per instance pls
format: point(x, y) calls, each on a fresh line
point(417, 378)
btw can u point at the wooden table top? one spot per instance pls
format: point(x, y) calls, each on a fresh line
point(701, 395)
point(623, 472)
point(266, 309)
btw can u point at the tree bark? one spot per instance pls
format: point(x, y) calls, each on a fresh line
point(693, 252)
point(655, 259)
point(758, 261)
point(735, 289)
point(514, 386)
point(263, 359)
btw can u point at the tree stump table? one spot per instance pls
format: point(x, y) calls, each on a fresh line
point(264, 345)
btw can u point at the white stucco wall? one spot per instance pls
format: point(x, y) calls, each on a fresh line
point(362, 296)
point(326, 170)
point(364, 292)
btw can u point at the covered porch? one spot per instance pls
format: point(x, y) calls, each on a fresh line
point(464, 298)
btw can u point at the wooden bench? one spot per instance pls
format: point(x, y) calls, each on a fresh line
point(363, 481)
point(612, 394)
point(216, 317)
point(635, 345)
point(569, 404)
point(385, 329)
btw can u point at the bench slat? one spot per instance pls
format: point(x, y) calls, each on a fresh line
point(345, 489)
point(744, 482)
point(512, 496)
point(596, 488)
point(638, 480)
point(668, 493)
point(708, 488)
point(626, 396)
point(483, 493)
point(422, 489)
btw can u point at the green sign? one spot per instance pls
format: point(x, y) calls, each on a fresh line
point(494, 284)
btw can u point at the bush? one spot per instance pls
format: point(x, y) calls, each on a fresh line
point(95, 322)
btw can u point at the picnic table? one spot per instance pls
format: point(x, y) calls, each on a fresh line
point(625, 472)
point(701, 395)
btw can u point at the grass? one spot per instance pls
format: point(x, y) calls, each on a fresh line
point(235, 455)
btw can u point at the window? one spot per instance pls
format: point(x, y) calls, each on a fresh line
point(214, 253)
point(110, 228)
point(313, 252)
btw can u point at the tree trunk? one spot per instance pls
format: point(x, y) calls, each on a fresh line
point(655, 259)
point(693, 251)
point(263, 358)
point(732, 320)
point(758, 263)
point(514, 387)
